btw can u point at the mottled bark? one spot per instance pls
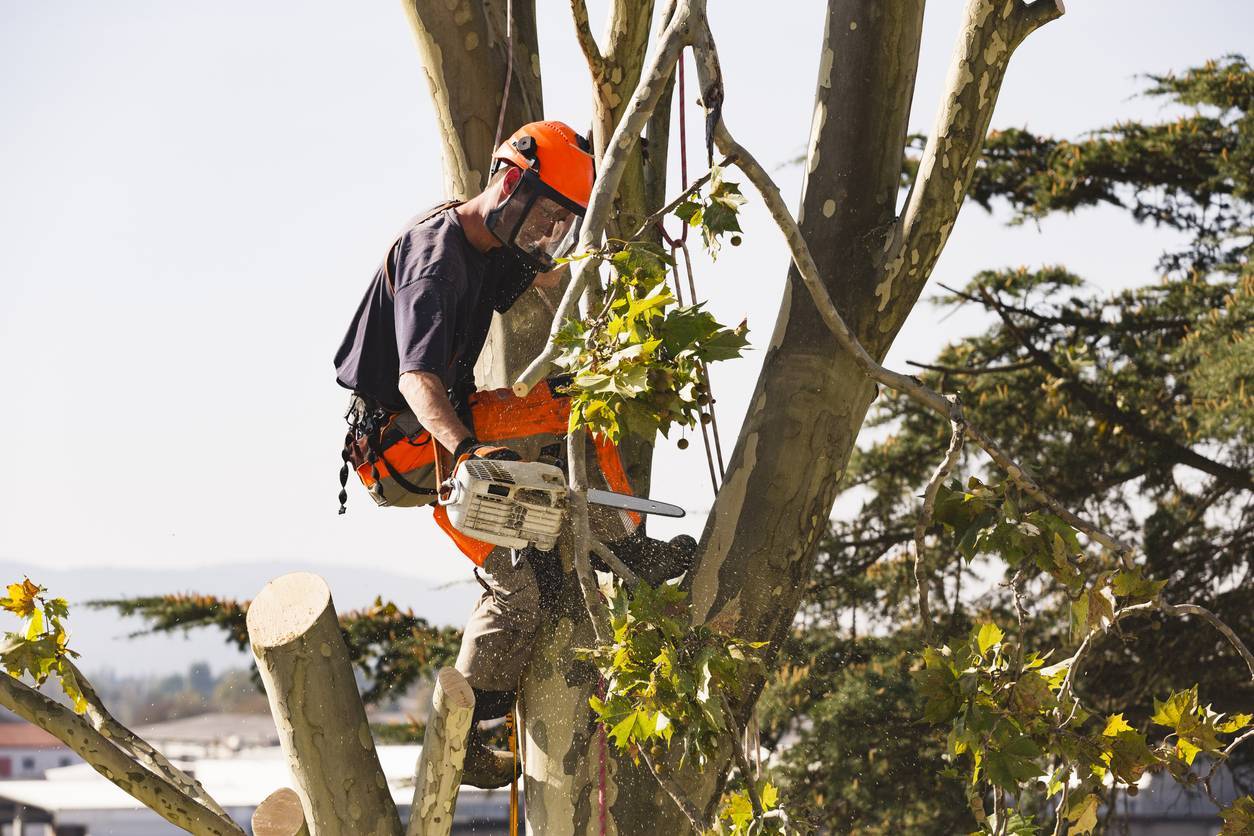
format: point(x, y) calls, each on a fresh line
point(991, 31)
point(463, 48)
point(303, 662)
point(439, 773)
point(812, 394)
point(154, 791)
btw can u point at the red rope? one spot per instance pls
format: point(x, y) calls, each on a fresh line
point(601, 802)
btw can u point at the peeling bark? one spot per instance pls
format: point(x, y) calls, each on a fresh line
point(300, 653)
point(463, 50)
point(439, 774)
point(991, 31)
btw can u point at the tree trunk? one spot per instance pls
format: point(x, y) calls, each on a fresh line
point(300, 653)
point(439, 774)
point(463, 46)
point(811, 397)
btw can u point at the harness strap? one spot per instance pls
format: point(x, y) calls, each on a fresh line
point(387, 262)
point(377, 454)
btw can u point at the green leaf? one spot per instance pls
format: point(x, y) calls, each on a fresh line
point(988, 636)
point(1013, 762)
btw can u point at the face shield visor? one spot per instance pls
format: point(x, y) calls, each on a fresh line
point(536, 222)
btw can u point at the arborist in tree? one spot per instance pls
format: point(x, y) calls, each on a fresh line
point(409, 358)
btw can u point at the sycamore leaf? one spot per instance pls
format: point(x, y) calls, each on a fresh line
point(21, 598)
point(1239, 818)
point(1115, 724)
point(1234, 723)
point(988, 635)
point(1083, 814)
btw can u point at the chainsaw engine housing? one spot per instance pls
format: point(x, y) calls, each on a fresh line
point(512, 504)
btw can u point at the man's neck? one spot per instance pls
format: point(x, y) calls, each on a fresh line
point(473, 214)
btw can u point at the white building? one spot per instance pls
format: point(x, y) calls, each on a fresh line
point(28, 751)
point(77, 801)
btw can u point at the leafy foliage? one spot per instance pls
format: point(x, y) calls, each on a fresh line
point(737, 818)
point(1239, 818)
point(715, 213)
point(1108, 399)
point(391, 646)
point(41, 647)
point(638, 365)
point(667, 683)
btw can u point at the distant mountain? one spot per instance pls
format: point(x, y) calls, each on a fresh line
point(101, 636)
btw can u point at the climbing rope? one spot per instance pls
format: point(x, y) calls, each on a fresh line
point(677, 245)
point(509, 77)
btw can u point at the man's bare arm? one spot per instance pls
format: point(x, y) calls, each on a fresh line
point(426, 396)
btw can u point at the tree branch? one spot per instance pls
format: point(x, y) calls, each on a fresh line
point(665, 210)
point(974, 371)
point(151, 789)
point(991, 31)
point(582, 537)
point(908, 386)
point(925, 516)
point(742, 763)
point(648, 92)
point(676, 793)
point(622, 570)
point(135, 746)
point(587, 41)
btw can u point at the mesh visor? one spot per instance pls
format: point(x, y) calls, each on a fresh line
point(537, 222)
point(547, 231)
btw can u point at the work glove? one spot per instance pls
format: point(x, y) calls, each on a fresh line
point(476, 449)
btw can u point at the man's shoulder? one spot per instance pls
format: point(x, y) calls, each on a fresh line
point(431, 248)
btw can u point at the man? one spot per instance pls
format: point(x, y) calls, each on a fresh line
point(409, 359)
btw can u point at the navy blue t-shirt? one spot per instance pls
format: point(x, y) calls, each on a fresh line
point(428, 309)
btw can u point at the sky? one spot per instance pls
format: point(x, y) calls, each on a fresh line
point(194, 196)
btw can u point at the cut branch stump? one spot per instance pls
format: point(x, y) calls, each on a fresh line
point(322, 725)
point(280, 814)
point(439, 774)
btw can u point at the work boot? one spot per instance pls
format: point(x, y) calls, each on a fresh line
point(654, 561)
point(485, 767)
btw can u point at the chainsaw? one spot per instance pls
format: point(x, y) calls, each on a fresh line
point(520, 504)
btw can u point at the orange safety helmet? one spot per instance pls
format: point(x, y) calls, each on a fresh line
point(556, 153)
point(539, 219)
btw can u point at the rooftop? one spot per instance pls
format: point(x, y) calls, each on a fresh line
point(23, 735)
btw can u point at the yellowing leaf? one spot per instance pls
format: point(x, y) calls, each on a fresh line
point(989, 635)
point(1084, 815)
point(1115, 724)
point(1186, 750)
point(21, 599)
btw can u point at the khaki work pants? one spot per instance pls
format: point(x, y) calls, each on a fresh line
point(497, 641)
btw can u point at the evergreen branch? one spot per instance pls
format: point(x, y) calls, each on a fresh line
point(1114, 413)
